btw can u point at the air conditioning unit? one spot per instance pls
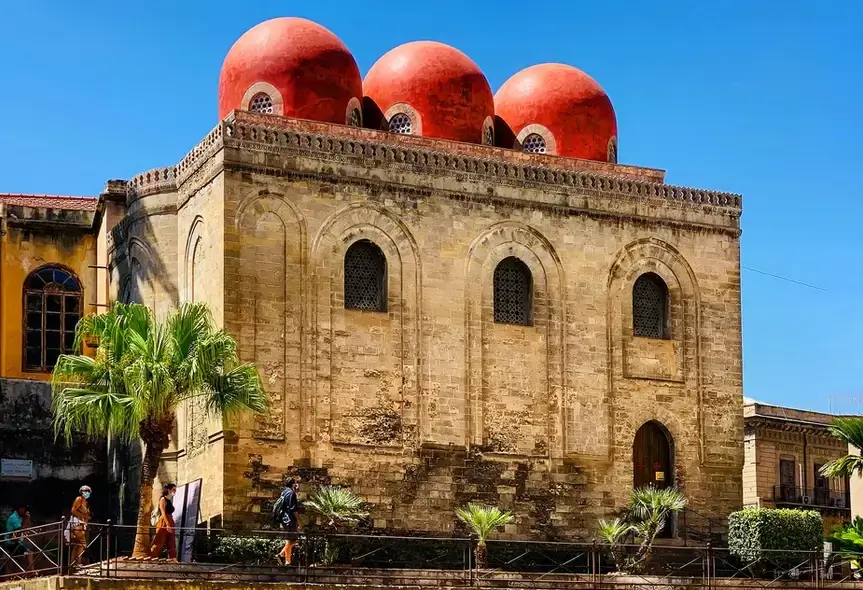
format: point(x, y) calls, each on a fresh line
point(807, 500)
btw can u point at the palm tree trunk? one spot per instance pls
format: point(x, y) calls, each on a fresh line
point(481, 556)
point(155, 437)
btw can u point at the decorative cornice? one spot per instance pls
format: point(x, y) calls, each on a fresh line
point(157, 180)
point(234, 133)
point(200, 153)
point(413, 193)
point(767, 424)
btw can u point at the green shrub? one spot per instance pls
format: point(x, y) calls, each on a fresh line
point(245, 550)
point(765, 538)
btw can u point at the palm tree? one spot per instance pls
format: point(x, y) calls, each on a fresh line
point(141, 372)
point(850, 431)
point(483, 521)
point(646, 515)
point(336, 506)
point(651, 507)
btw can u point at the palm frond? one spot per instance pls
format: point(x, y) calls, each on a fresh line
point(191, 323)
point(336, 505)
point(849, 430)
point(648, 502)
point(847, 466)
point(484, 520)
point(613, 531)
point(93, 412)
point(237, 390)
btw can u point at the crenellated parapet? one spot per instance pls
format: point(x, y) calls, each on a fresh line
point(157, 180)
point(380, 150)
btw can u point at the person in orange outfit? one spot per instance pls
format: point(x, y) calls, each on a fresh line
point(78, 525)
point(165, 530)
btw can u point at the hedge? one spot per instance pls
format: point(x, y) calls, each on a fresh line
point(765, 538)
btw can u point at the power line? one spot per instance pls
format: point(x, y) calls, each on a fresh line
point(781, 278)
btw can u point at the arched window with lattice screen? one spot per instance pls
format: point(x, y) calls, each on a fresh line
point(365, 277)
point(513, 285)
point(650, 307)
point(52, 308)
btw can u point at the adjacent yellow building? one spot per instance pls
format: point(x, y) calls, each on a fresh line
point(784, 450)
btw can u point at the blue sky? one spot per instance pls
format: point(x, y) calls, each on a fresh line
point(763, 98)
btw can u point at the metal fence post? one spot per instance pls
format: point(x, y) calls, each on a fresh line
point(61, 544)
point(108, 537)
point(710, 565)
point(306, 556)
point(593, 562)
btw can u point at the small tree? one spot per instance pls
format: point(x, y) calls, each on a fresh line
point(848, 542)
point(143, 370)
point(483, 521)
point(646, 515)
point(336, 507)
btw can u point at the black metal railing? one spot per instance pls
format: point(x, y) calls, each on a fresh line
point(36, 551)
point(356, 560)
point(814, 497)
point(698, 529)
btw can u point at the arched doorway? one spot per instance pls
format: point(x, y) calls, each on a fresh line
point(653, 462)
point(652, 457)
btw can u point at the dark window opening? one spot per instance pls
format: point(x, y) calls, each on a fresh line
point(512, 292)
point(365, 277)
point(650, 307)
point(52, 304)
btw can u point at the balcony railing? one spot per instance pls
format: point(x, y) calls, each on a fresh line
point(813, 497)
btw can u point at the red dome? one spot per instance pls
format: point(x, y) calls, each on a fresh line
point(567, 102)
point(308, 65)
point(444, 86)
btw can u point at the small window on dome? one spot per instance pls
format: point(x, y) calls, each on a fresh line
point(355, 118)
point(261, 103)
point(612, 150)
point(488, 136)
point(401, 124)
point(534, 144)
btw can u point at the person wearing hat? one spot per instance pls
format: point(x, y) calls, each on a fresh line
point(78, 524)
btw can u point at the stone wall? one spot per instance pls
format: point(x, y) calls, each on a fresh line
point(26, 432)
point(431, 403)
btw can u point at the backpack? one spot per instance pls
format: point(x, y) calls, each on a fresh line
point(278, 507)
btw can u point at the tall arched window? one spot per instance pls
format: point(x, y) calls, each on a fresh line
point(650, 307)
point(512, 292)
point(53, 304)
point(365, 277)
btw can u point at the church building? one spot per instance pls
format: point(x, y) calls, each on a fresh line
point(451, 294)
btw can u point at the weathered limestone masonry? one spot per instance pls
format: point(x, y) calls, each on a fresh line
point(431, 403)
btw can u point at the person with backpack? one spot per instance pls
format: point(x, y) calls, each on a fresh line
point(285, 514)
point(164, 523)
